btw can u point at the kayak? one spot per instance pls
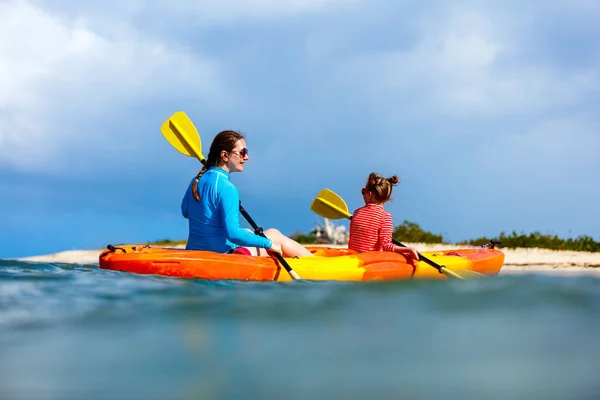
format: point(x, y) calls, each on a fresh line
point(326, 264)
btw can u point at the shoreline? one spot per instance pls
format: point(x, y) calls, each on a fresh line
point(517, 261)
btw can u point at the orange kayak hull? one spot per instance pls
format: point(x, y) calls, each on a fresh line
point(326, 264)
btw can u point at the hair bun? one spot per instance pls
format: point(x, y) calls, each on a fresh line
point(393, 180)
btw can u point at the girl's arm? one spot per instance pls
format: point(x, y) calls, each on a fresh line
point(385, 233)
point(407, 252)
point(387, 228)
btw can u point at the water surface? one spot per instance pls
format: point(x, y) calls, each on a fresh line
point(77, 331)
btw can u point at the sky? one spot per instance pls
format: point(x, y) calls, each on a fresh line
point(487, 111)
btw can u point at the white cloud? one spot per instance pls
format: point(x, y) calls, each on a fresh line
point(464, 64)
point(257, 9)
point(194, 14)
point(54, 72)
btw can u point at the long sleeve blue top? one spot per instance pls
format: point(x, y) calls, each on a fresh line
point(214, 221)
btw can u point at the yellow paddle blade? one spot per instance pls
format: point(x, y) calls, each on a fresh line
point(180, 131)
point(329, 205)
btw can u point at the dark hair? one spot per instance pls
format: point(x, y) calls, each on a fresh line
point(381, 187)
point(225, 140)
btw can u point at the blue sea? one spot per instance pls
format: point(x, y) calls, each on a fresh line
point(80, 332)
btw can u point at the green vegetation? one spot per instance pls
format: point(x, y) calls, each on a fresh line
point(536, 239)
point(411, 232)
point(167, 242)
point(299, 237)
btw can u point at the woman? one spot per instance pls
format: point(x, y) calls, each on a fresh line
point(211, 204)
point(371, 226)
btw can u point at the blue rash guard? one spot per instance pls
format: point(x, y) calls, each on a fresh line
point(215, 220)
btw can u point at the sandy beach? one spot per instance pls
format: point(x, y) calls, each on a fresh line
point(517, 261)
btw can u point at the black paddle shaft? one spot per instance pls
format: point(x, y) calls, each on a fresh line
point(422, 257)
point(259, 231)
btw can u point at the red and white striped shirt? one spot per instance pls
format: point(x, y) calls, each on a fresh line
point(371, 229)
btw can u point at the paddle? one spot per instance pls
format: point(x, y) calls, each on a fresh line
point(330, 205)
point(180, 131)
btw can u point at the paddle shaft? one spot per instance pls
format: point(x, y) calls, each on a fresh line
point(440, 268)
point(259, 231)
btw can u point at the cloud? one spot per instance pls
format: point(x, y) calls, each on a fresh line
point(59, 74)
point(163, 18)
point(463, 65)
point(227, 10)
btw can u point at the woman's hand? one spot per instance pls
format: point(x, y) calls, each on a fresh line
point(275, 248)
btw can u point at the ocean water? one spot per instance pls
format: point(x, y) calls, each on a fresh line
point(79, 332)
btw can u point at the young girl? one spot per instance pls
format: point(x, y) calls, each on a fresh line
point(371, 226)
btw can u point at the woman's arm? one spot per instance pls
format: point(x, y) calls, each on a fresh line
point(230, 209)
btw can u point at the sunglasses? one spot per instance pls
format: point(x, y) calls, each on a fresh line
point(363, 191)
point(242, 153)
